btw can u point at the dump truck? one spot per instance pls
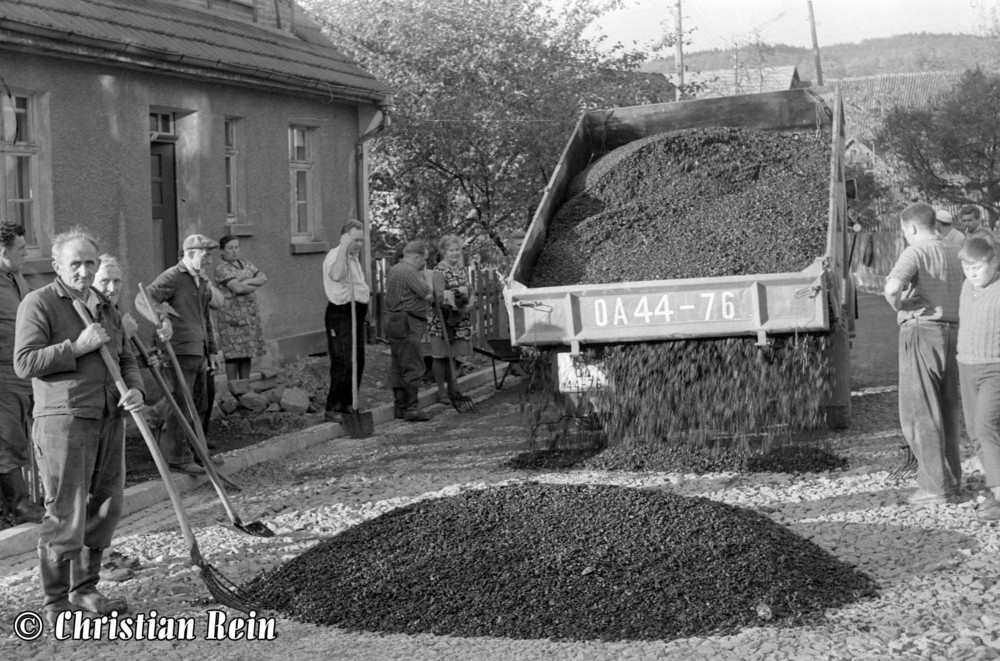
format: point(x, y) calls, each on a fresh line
point(818, 299)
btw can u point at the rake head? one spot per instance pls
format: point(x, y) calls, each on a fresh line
point(225, 591)
point(909, 467)
point(463, 404)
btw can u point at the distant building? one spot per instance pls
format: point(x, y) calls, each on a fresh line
point(868, 99)
point(745, 80)
point(147, 120)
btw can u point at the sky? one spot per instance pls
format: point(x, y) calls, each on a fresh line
point(720, 23)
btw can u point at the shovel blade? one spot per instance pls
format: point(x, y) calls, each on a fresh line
point(359, 425)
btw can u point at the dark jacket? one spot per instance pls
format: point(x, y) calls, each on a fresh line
point(47, 325)
point(193, 334)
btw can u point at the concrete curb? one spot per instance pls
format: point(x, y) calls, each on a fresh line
point(24, 538)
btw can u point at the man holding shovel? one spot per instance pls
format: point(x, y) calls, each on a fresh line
point(15, 392)
point(407, 293)
point(344, 279)
point(186, 289)
point(78, 424)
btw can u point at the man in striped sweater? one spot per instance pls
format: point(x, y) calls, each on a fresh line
point(979, 359)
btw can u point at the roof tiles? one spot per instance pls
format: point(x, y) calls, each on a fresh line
point(175, 33)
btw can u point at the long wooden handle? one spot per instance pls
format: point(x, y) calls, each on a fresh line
point(147, 436)
point(354, 340)
point(201, 446)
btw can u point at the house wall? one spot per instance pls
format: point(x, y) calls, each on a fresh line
point(98, 123)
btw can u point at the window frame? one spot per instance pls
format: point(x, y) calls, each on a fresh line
point(308, 166)
point(38, 222)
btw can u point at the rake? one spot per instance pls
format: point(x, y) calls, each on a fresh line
point(195, 433)
point(221, 588)
point(909, 467)
point(462, 403)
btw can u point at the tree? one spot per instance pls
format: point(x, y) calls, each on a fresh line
point(950, 149)
point(486, 94)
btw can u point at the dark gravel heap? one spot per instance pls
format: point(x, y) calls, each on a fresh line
point(700, 460)
point(690, 204)
point(796, 459)
point(552, 459)
point(566, 563)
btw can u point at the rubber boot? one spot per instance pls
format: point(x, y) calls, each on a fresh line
point(399, 401)
point(85, 573)
point(15, 495)
point(412, 413)
point(55, 575)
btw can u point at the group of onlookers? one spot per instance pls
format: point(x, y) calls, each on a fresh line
point(57, 394)
point(428, 314)
point(946, 292)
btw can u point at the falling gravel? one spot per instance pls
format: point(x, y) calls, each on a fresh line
point(691, 204)
point(565, 562)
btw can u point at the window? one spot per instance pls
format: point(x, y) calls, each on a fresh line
point(231, 131)
point(19, 177)
point(161, 125)
point(302, 177)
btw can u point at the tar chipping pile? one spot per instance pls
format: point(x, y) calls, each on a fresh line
point(563, 562)
point(692, 204)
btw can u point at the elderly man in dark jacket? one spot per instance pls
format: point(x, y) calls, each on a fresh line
point(186, 288)
point(79, 428)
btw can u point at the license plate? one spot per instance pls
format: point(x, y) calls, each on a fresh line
point(579, 374)
point(680, 307)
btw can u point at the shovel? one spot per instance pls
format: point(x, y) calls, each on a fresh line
point(358, 424)
point(221, 588)
point(255, 528)
point(462, 403)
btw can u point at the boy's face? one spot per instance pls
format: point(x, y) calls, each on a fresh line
point(980, 272)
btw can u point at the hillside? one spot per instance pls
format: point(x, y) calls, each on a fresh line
point(900, 54)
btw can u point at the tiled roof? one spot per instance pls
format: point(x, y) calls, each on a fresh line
point(189, 40)
point(723, 82)
point(868, 99)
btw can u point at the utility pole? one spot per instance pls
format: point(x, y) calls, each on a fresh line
point(812, 26)
point(678, 53)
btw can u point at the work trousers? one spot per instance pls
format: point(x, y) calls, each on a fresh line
point(407, 369)
point(15, 420)
point(338, 348)
point(981, 404)
point(82, 466)
point(928, 403)
point(172, 440)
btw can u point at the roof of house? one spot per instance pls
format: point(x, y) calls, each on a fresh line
point(868, 99)
point(191, 41)
point(729, 82)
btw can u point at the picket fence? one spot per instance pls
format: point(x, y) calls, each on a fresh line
point(489, 317)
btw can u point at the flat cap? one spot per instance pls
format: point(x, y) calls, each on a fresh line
point(944, 217)
point(199, 241)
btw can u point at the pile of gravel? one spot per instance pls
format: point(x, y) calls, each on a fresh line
point(566, 562)
point(662, 457)
point(690, 204)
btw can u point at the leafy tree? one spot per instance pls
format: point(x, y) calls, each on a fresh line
point(486, 94)
point(950, 149)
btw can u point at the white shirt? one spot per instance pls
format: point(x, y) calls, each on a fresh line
point(337, 291)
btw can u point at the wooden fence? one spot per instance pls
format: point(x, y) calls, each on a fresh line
point(489, 317)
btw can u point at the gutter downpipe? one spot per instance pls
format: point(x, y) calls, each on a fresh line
point(361, 173)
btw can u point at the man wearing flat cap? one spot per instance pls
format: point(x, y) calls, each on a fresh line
point(947, 229)
point(186, 288)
